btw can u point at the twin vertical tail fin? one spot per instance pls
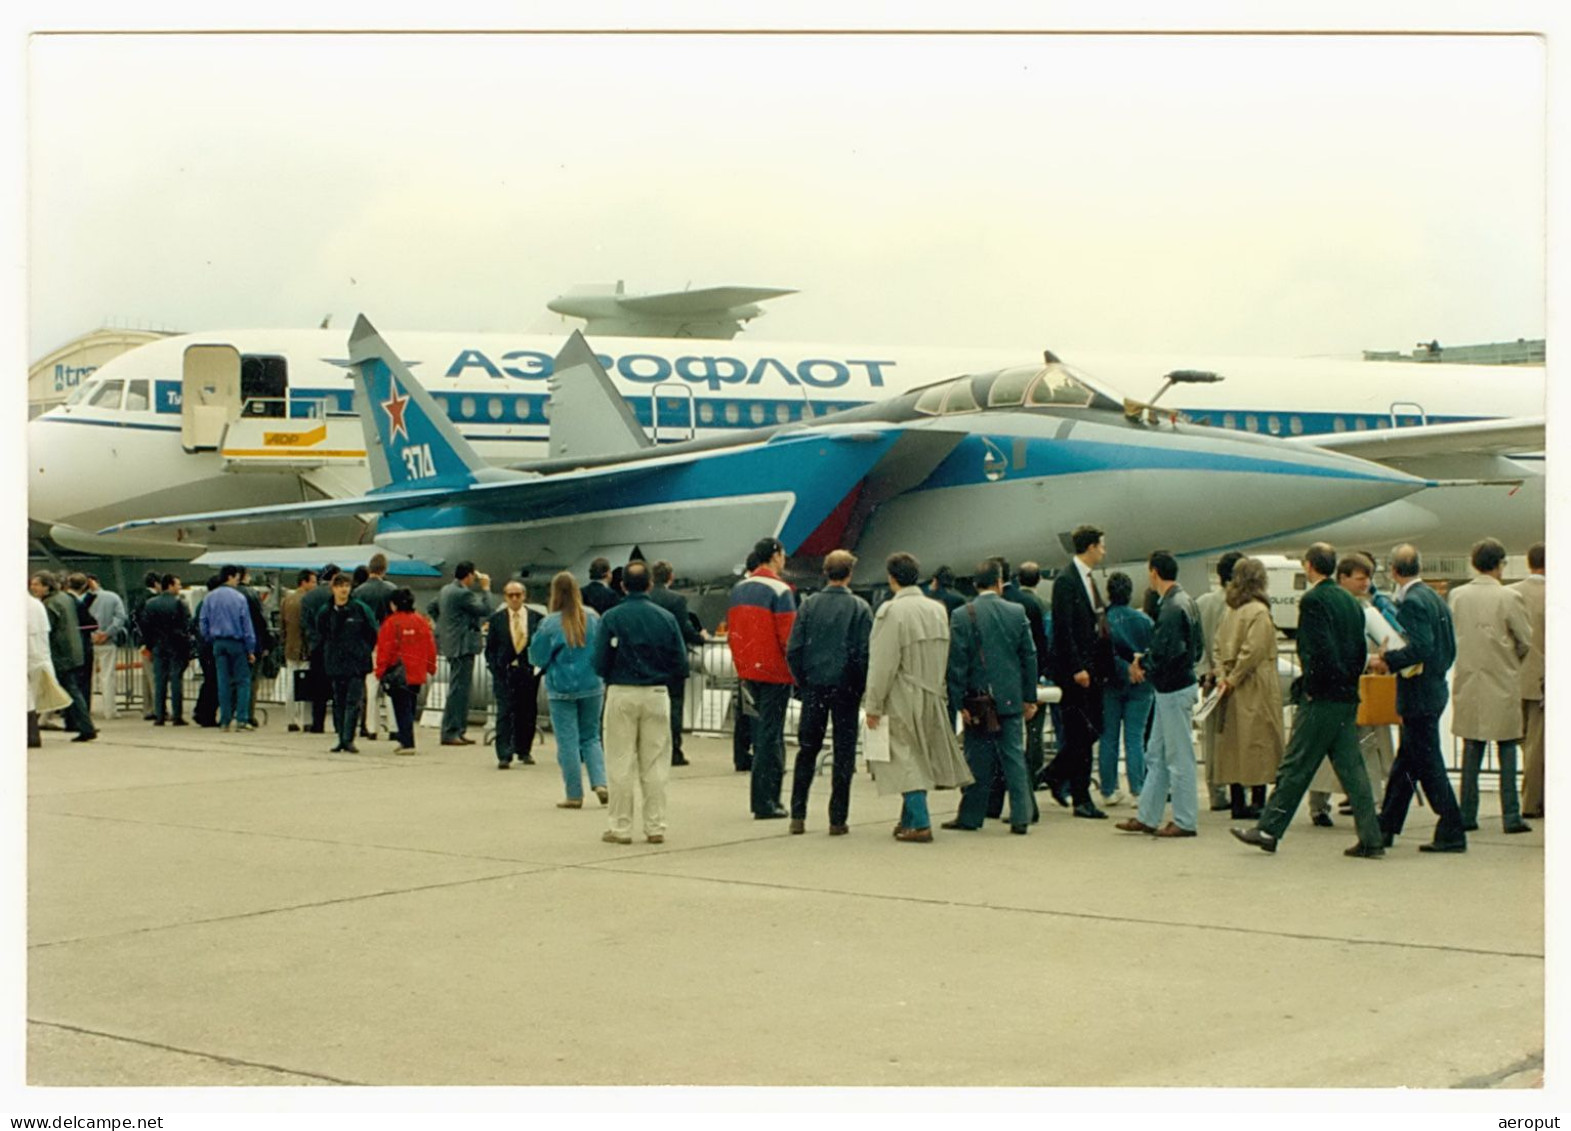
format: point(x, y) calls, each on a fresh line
point(589, 418)
point(410, 443)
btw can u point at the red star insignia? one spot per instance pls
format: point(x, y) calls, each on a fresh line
point(394, 407)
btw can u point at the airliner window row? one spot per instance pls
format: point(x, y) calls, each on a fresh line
point(674, 412)
point(1314, 423)
point(140, 395)
point(163, 397)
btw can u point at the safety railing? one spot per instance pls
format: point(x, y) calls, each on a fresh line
point(709, 706)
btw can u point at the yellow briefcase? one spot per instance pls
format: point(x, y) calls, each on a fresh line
point(1377, 701)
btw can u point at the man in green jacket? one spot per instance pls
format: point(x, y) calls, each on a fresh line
point(1332, 653)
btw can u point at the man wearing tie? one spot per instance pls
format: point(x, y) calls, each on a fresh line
point(1081, 658)
point(514, 682)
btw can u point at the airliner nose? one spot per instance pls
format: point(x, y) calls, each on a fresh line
point(46, 482)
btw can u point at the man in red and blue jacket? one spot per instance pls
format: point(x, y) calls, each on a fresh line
point(760, 616)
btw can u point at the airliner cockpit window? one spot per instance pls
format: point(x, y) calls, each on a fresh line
point(1058, 386)
point(1009, 387)
point(82, 393)
point(136, 397)
point(108, 395)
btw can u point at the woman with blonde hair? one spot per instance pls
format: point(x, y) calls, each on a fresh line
point(563, 649)
point(1249, 728)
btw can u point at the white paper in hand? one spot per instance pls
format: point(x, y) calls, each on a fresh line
point(875, 742)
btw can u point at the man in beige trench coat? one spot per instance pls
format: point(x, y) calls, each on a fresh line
point(907, 673)
point(1493, 636)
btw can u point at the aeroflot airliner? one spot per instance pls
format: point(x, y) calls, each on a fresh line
point(233, 419)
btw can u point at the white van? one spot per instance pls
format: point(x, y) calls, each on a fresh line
point(1285, 584)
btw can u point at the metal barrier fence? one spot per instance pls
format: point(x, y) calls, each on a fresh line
point(709, 707)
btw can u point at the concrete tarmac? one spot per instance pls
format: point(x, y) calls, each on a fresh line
point(248, 909)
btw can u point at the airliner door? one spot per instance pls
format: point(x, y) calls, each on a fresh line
point(264, 385)
point(209, 395)
point(671, 412)
point(1408, 414)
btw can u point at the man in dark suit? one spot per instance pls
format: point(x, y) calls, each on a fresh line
point(462, 607)
point(990, 650)
point(1332, 653)
point(827, 653)
point(312, 605)
point(942, 589)
point(597, 594)
point(676, 605)
point(136, 600)
point(1081, 659)
point(514, 682)
point(1420, 698)
point(166, 639)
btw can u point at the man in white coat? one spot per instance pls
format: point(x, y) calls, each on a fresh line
point(1531, 589)
point(1493, 636)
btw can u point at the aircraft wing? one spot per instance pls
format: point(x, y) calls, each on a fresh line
point(709, 312)
point(390, 503)
point(702, 301)
point(314, 557)
point(522, 496)
point(1473, 437)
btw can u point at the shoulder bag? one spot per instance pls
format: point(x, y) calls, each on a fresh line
point(980, 706)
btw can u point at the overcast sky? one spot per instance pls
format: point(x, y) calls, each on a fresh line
point(1283, 195)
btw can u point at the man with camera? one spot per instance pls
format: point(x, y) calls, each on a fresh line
point(992, 684)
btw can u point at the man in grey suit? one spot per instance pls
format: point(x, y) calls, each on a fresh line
point(462, 607)
point(990, 650)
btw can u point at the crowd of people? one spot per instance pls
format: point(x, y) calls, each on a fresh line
point(950, 687)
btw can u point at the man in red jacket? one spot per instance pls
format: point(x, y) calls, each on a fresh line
point(762, 610)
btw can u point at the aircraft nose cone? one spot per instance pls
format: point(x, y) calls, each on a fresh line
point(1303, 489)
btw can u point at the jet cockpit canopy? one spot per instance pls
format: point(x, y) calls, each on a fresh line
point(1023, 386)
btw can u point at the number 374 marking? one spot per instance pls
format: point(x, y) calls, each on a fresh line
point(418, 461)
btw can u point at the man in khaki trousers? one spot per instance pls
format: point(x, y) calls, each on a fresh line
point(638, 653)
point(1532, 590)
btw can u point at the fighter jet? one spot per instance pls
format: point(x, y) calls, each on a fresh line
point(1007, 461)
